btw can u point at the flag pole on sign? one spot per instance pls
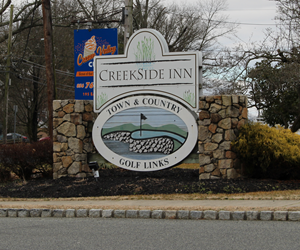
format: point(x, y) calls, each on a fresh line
point(142, 117)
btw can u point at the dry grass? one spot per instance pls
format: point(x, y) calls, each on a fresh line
point(188, 166)
point(272, 195)
point(89, 202)
point(190, 208)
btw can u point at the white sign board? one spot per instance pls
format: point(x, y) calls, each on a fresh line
point(147, 67)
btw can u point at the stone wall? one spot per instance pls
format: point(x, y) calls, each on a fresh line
point(219, 120)
point(72, 137)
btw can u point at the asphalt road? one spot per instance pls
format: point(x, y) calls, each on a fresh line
point(88, 233)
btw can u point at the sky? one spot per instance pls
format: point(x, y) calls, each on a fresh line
point(245, 12)
point(252, 14)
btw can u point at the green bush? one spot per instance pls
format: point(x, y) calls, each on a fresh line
point(268, 152)
point(23, 158)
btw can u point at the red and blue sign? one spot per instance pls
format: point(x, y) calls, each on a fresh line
point(87, 45)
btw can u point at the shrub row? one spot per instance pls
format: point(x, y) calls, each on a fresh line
point(24, 158)
point(268, 152)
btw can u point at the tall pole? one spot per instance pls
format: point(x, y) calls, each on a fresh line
point(128, 29)
point(7, 75)
point(142, 117)
point(15, 110)
point(49, 61)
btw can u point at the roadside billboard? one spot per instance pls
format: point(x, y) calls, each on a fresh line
point(87, 45)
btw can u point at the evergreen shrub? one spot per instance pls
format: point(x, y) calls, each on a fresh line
point(268, 152)
point(24, 158)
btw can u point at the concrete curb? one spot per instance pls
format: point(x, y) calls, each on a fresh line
point(153, 214)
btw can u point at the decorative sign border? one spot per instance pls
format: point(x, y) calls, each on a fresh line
point(127, 123)
point(147, 67)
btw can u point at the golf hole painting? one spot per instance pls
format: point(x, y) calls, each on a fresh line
point(145, 133)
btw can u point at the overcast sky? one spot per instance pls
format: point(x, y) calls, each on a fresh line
point(252, 14)
point(246, 12)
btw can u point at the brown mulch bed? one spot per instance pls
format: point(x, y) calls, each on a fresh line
point(122, 182)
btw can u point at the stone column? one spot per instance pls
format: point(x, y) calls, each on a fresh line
point(220, 118)
point(72, 137)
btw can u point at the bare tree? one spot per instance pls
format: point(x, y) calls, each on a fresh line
point(191, 27)
point(272, 83)
point(289, 17)
point(28, 69)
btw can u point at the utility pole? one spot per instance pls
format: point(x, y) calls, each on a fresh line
point(128, 29)
point(47, 20)
point(15, 110)
point(7, 75)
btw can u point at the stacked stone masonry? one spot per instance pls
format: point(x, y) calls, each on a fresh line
point(72, 137)
point(220, 118)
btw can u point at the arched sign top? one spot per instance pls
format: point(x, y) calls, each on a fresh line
point(147, 67)
point(146, 40)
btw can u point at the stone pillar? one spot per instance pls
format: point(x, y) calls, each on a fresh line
point(72, 137)
point(220, 118)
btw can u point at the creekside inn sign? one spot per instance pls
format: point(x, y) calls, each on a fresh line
point(147, 101)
